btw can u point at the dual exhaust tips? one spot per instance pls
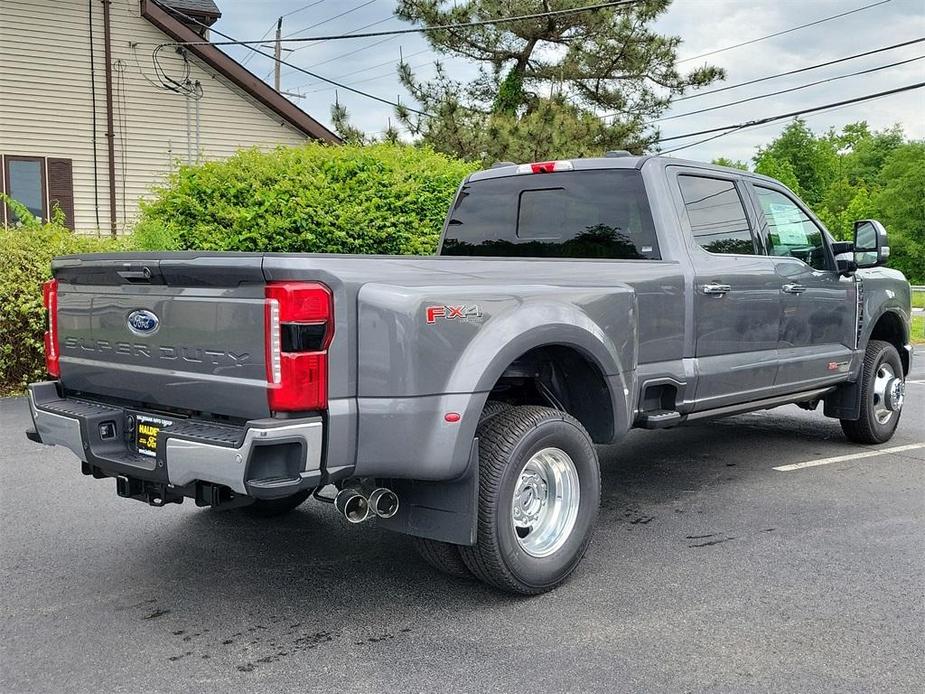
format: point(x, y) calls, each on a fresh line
point(357, 508)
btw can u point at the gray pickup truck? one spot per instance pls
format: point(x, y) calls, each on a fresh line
point(458, 398)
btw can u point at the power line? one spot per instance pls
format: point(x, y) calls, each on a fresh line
point(287, 64)
point(354, 52)
point(373, 67)
point(359, 50)
point(367, 68)
point(784, 31)
point(799, 70)
point(370, 79)
point(365, 26)
point(331, 19)
point(756, 127)
point(265, 34)
point(792, 114)
point(704, 140)
point(421, 30)
point(303, 7)
point(791, 89)
point(283, 16)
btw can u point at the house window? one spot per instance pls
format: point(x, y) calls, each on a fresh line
point(25, 183)
point(42, 184)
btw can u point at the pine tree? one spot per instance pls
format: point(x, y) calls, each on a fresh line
point(544, 83)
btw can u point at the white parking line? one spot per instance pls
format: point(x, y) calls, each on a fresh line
point(853, 456)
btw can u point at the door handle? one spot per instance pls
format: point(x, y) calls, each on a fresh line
point(716, 289)
point(793, 289)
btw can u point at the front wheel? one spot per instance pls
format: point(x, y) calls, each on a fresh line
point(882, 390)
point(539, 493)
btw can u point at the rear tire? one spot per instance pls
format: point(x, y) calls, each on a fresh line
point(442, 556)
point(877, 421)
point(493, 408)
point(272, 508)
point(539, 493)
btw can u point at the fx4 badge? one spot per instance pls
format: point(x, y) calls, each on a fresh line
point(464, 313)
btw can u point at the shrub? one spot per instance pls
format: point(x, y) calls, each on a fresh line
point(25, 262)
point(388, 199)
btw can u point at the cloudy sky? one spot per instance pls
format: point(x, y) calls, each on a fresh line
point(704, 25)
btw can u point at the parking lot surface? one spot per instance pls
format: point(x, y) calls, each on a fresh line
point(710, 571)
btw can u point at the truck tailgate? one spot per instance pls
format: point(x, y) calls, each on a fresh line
point(175, 333)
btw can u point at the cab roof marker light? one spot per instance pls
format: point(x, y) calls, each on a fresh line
point(546, 167)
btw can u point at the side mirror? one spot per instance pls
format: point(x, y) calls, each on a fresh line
point(844, 257)
point(871, 247)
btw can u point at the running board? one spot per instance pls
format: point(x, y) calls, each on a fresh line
point(765, 404)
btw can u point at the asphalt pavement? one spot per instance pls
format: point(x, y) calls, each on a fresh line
point(709, 571)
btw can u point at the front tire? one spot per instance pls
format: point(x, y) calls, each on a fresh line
point(539, 493)
point(882, 389)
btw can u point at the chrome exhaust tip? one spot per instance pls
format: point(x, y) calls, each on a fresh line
point(352, 505)
point(383, 502)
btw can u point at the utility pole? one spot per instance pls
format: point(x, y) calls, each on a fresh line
point(277, 57)
point(278, 53)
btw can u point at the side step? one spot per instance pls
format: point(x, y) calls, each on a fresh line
point(659, 419)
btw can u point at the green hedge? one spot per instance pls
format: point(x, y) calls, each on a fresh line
point(25, 262)
point(315, 198)
point(388, 199)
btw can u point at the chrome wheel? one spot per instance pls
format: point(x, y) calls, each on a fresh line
point(889, 392)
point(545, 503)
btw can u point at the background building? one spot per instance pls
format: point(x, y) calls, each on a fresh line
point(96, 105)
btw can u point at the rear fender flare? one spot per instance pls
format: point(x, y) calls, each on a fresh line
point(508, 336)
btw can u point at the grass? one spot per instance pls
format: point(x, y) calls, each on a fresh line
point(918, 329)
point(918, 299)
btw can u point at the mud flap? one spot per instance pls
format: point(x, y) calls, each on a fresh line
point(444, 511)
point(844, 402)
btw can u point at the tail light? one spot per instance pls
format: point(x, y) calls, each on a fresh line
point(50, 302)
point(299, 327)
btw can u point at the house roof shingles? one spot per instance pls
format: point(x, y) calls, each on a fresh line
point(205, 8)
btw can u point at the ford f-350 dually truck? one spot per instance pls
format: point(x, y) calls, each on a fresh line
point(458, 397)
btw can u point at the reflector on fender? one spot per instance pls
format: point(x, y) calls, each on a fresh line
point(299, 326)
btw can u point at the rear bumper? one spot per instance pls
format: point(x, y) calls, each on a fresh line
point(264, 459)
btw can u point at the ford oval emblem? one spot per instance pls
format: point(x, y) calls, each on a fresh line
point(143, 322)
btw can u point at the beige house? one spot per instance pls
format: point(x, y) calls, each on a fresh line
point(98, 103)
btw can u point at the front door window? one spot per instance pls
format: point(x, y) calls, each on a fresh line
point(791, 233)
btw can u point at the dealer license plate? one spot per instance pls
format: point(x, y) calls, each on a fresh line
point(146, 430)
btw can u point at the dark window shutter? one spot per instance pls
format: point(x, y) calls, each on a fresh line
point(61, 189)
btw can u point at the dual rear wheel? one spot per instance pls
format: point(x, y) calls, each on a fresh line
point(539, 493)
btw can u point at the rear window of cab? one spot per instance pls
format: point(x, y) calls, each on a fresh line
point(574, 214)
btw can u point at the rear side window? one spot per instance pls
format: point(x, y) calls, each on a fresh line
point(717, 215)
point(574, 214)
